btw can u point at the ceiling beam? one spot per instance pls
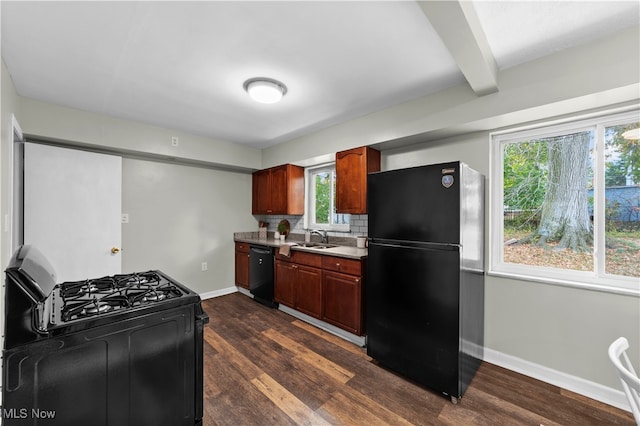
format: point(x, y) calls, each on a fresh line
point(457, 24)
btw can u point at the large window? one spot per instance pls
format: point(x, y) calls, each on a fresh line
point(566, 203)
point(321, 197)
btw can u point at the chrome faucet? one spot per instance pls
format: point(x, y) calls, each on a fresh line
point(322, 233)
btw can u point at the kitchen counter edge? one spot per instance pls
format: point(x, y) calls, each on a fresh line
point(348, 252)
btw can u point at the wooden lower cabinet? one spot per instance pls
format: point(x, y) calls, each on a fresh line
point(309, 291)
point(343, 301)
point(324, 287)
point(284, 283)
point(242, 265)
point(299, 287)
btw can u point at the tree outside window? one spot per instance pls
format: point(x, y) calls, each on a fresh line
point(567, 202)
point(321, 200)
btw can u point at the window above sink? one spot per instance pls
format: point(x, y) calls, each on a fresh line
point(320, 199)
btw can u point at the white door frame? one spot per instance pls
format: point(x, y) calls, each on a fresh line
point(14, 220)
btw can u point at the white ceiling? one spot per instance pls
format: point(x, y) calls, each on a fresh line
point(181, 65)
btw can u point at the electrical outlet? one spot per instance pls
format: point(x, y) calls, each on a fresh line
point(125, 217)
point(175, 141)
point(204, 266)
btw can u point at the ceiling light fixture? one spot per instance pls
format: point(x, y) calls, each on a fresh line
point(265, 90)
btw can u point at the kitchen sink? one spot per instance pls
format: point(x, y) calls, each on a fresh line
point(316, 245)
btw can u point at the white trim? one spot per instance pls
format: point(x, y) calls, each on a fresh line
point(309, 194)
point(597, 279)
point(625, 291)
point(573, 118)
point(218, 293)
point(572, 383)
point(358, 340)
point(9, 219)
point(15, 127)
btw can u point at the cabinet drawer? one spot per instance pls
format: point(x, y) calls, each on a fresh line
point(302, 258)
point(341, 264)
point(243, 247)
point(308, 259)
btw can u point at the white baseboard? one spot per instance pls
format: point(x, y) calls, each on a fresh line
point(575, 384)
point(217, 293)
point(358, 340)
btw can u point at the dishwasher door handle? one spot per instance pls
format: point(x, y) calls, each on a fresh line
point(261, 251)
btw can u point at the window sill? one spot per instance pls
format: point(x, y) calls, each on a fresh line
point(330, 228)
point(625, 291)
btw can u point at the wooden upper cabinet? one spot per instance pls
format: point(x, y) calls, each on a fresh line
point(352, 167)
point(278, 190)
point(260, 191)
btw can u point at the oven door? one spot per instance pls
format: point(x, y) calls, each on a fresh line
point(145, 370)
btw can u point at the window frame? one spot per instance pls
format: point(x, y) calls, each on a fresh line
point(597, 279)
point(309, 191)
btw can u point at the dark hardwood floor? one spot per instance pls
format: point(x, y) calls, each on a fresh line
point(264, 367)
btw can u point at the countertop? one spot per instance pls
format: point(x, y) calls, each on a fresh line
point(350, 252)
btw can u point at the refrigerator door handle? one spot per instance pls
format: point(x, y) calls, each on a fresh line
point(414, 245)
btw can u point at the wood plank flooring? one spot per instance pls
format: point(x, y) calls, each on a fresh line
point(264, 367)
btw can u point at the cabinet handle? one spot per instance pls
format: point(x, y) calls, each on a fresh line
point(357, 280)
point(337, 265)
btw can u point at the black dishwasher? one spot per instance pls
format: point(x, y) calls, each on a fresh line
point(261, 261)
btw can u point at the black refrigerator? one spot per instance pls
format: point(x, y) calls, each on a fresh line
point(425, 274)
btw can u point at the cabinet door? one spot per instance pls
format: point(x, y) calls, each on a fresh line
point(260, 192)
point(242, 269)
point(309, 290)
point(352, 167)
point(284, 281)
point(343, 301)
point(278, 190)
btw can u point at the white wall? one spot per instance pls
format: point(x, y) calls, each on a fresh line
point(97, 130)
point(8, 105)
point(181, 216)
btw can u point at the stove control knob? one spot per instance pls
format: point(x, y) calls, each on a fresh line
point(115, 250)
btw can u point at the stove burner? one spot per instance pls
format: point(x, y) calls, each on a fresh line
point(154, 296)
point(89, 288)
point(138, 278)
point(97, 308)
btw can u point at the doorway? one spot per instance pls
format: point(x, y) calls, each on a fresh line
point(72, 209)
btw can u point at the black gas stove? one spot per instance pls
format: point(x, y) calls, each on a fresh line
point(78, 304)
point(116, 350)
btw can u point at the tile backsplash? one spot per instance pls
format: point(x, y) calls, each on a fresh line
point(358, 224)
